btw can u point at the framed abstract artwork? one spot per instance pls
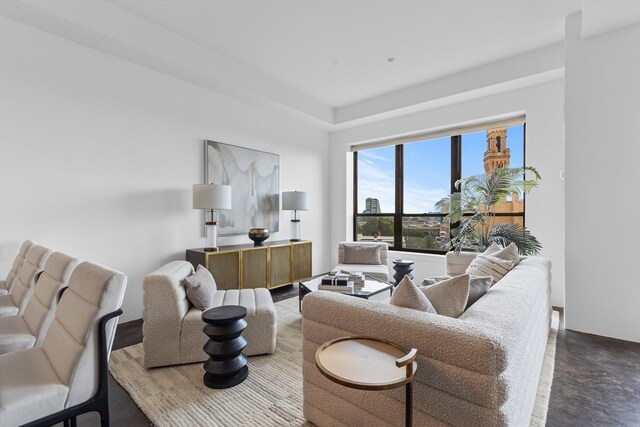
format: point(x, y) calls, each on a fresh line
point(254, 177)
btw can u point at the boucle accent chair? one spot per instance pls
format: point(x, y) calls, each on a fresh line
point(172, 326)
point(28, 329)
point(367, 263)
point(481, 369)
point(64, 372)
point(5, 285)
point(25, 281)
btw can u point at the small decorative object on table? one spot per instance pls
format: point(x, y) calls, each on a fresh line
point(402, 267)
point(336, 283)
point(227, 365)
point(258, 235)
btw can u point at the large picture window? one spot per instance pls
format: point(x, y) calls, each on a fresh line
point(397, 186)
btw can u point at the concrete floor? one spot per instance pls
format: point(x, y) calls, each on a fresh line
point(596, 380)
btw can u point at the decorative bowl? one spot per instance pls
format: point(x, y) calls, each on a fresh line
point(258, 235)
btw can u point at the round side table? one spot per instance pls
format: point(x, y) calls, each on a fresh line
point(369, 364)
point(402, 267)
point(227, 365)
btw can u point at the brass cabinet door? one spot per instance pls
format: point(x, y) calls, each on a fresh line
point(280, 273)
point(301, 261)
point(254, 268)
point(225, 268)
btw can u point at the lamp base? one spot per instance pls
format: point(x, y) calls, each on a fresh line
point(211, 249)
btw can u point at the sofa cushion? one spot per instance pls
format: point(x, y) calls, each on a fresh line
point(200, 288)
point(15, 334)
point(407, 295)
point(30, 388)
point(361, 254)
point(449, 297)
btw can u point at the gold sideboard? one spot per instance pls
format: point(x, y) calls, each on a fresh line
point(271, 265)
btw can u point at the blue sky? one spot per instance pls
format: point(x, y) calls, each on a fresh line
point(427, 169)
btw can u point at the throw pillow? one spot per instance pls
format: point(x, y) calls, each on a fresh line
point(510, 253)
point(407, 295)
point(493, 248)
point(488, 265)
point(200, 288)
point(361, 254)
point(449, 297)
point(434, 279)
point(478, 286)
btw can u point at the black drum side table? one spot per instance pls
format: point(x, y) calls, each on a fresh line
point(402, 267)
point(227, 365)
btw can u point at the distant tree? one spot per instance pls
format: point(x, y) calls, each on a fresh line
point(377, 226)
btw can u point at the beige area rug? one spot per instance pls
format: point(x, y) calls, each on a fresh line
point(271, 395)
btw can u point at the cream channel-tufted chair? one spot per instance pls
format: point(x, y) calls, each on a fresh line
point(369, 258)
point(25, 281)
point(68, 375)
point(28, 329)
point(5, 285)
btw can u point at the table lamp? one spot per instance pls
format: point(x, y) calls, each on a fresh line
point(295, 201)
point(211, 198)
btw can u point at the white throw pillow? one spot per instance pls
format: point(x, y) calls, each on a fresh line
point(407, 295)
point(449, 297)
point(510, 253)
point(489, 265)
point(493, 248)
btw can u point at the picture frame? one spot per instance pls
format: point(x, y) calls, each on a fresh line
point(254, 177)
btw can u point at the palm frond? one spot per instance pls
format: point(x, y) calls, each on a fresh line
point(504, 234)
point(472, 207)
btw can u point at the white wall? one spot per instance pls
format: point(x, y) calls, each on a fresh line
point(542, 105)
point(98, 156)
point(603, 176)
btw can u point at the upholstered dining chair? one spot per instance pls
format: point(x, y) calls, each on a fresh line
point(25, 281)
point(28, 329)
point(68, 375)
point(5, 285)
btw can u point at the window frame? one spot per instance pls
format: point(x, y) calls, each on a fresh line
point(399, 214)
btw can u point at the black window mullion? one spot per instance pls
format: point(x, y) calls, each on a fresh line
point(397, 217)
point(355, 195)
point(456, 161)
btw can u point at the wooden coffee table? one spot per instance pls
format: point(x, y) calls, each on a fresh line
point(373, 288)
point(369, 364)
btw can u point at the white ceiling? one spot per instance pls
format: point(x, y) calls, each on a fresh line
point(337, 51)
point(325, 61)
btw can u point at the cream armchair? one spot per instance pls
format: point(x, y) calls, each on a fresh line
point(172, 326)
point(5, 285)
point(28, 329)
point(25, 281)
point(68, 374)
point(369, 258)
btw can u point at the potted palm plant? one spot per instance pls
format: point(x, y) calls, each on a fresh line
point(473, 209)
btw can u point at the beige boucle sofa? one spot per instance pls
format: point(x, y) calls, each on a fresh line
point(481, 369)
point(172, 326)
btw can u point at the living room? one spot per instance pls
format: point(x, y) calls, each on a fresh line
point(105, 106)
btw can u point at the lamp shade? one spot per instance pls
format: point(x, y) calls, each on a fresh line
point(295, 201)
point(211, 196)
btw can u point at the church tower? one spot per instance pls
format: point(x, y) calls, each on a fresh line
point(497, 154)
